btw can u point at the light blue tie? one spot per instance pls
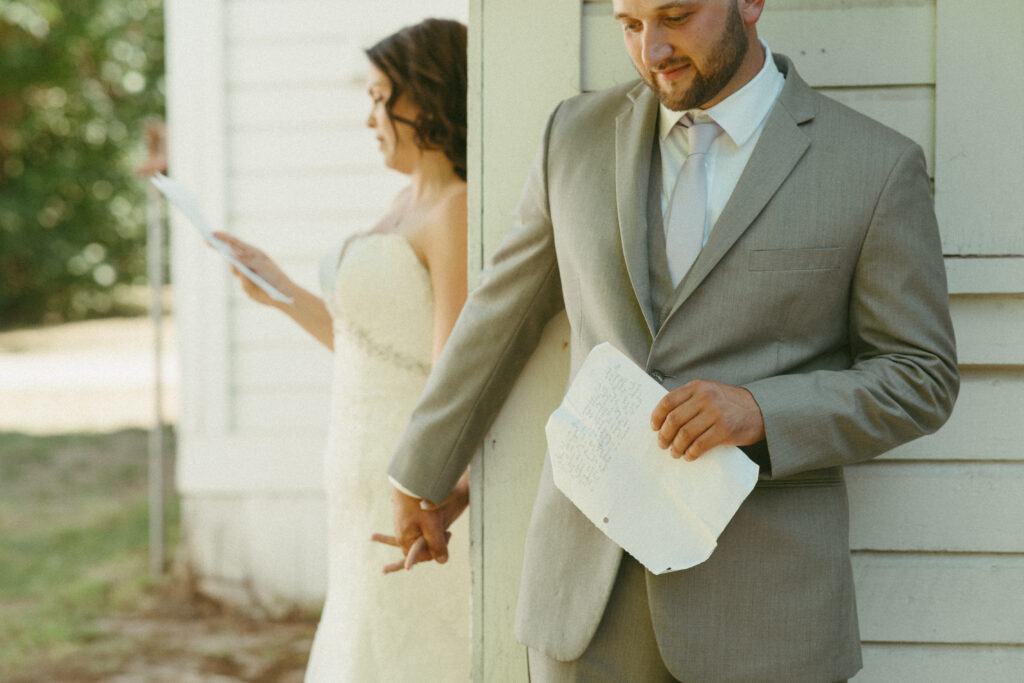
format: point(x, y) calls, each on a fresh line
point(687, 218)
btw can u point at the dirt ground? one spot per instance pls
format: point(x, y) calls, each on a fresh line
point(182, 638)
point(98, 376)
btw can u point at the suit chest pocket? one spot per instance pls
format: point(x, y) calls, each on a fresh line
point(826, 258)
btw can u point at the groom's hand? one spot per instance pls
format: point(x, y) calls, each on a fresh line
point(702, 414)
point(412, 522)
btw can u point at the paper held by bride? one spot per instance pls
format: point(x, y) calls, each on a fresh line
point(666, 513)
point(181, 197)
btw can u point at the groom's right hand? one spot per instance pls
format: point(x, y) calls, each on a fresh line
point(413, 522)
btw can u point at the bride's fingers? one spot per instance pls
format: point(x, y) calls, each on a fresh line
point(385, 539)
point(394, 567)
point(418, 546)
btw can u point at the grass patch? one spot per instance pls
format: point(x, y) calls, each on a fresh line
point(73, 540)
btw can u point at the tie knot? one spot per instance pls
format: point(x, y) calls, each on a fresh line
point(699, 134)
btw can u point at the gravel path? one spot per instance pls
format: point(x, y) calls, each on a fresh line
point(97, 375)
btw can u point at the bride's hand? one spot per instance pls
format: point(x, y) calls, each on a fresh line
point(446, 513)
point(417, 553)
point(259, 263)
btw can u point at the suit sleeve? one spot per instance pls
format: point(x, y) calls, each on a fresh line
point(904, 378)
point(495, 334)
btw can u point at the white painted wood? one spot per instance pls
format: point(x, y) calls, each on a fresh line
point(885, 44)
point(316, 195)
point(911, 598)
point(283, 408)
point(979, 96)
point(195, 113)
point(513, 455)
point(989, 329)
point(941, 663)
point(259, 462)
point(524, 58)
point(359, 25)
point(984, 424)
point(985, 275)
point(325, 60)
point(603, 58)
point(260, 328)
point(828, 46)
point(285, 367)
point(909, 110)
point(273, 576)
point(921, 506)
point(345, 149)
point(298, 107)
point(300, 241)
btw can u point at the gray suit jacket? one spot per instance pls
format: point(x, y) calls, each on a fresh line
point(821, 289)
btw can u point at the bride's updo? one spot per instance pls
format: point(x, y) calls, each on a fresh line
point(427, 63)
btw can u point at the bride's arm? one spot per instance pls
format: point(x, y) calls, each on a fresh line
point(446, 254)
point(307, 309)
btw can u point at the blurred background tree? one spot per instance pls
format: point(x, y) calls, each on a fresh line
point(79, 82)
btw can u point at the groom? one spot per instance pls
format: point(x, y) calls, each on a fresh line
point(778, 269)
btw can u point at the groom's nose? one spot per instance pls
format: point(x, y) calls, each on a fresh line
point(656, 48)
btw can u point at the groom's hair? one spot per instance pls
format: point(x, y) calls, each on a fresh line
point(427, 63)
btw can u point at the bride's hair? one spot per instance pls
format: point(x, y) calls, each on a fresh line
point(427, 63)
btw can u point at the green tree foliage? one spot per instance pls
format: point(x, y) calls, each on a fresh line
point(79, 80)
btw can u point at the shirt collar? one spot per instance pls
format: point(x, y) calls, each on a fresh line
point(739, 114)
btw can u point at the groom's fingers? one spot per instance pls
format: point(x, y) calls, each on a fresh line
point(432, 529)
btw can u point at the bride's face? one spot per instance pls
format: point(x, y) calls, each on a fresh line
point(395, 136)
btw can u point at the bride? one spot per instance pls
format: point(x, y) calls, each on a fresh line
point(390, 298)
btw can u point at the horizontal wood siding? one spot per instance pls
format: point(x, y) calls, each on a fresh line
point(303, 172)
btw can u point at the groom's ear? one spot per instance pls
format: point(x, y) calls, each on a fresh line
point(750, 11)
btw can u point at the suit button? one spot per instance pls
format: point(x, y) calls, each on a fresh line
point(658, 376)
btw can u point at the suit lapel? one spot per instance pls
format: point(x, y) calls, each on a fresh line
point(780, 147)
point(634, 136)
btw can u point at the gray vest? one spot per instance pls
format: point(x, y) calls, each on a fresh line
point(657, 264)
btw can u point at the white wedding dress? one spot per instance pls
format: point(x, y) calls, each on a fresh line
point(405, 626)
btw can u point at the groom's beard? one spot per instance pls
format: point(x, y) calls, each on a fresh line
point(708, 80)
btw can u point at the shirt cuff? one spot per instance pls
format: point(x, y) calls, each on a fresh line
point(398, 485)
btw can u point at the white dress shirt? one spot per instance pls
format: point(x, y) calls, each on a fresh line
point(742, 116)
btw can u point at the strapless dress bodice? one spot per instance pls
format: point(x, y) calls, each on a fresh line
point(379, 295)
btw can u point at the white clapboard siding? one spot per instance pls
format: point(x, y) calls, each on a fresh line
point(290, 368)
point(299, 239)
point(979, 129)
point(238, 566)
point(269, 21)
point(301, 106)
point(933, 507)
point(827, 45)
point(907, 109)
point(287, 195)
point(941, 663)
point(534, 46)
point(262, 328)
point(282, 408)
point(934, 598)
point(984, 424)
point(893, 82)
point(325, 60)
point(349, 148)
point(989, 328)
point(268, 124)
point(249, 463)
